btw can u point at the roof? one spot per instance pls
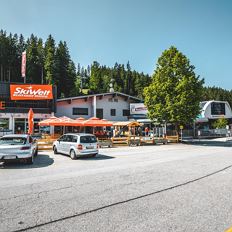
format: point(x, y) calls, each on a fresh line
point(79, 134)
point(101, 94)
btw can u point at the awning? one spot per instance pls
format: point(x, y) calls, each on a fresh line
point(127, 123)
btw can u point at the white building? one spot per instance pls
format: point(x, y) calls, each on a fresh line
point(211, 110)
point(111, 106)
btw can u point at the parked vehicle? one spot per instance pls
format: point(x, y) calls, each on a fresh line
point(18, 147)
point(76, 145)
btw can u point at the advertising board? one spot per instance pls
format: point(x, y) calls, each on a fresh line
point(31, 92)
point(138, 108)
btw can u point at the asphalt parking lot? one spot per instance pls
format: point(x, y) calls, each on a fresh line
point(148, 188)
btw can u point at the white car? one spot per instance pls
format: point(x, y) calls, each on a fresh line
point(76, 145)
point(18, 147)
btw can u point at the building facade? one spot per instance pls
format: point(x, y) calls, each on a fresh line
point(111, 106)
point(14, 113)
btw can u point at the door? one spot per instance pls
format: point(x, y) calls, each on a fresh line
point(60, 144)
point(67, 144)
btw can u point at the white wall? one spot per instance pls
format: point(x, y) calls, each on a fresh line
point(65, 109)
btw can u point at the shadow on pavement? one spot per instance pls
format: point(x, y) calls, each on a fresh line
point(40, 161)
point(210, 143)
point(97, 157)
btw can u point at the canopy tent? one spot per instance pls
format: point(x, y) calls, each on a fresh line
point(96, 122)
point(54, 121)
point(127, 123)
point(65, 121)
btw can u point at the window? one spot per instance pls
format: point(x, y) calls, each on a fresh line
point(13, 140)
point(110, 99)
point(88, 139)
point(99, 113)
point(218, 108)
point(113, 112)
point(126, 112)
point(80, 111)
point(115, 100)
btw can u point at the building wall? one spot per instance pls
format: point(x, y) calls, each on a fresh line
point(13, 116)
point(119, 106)
point(65, 108)
point(206, 113)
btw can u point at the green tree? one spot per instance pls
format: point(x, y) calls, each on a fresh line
point(175, 91)
point(65, 71)
point(220, 123)
point(49, 62)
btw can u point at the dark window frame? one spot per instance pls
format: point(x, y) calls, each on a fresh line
point(113, 112)
point(80, 111)
point(125, 112)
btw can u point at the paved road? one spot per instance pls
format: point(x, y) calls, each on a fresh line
point(150, 188)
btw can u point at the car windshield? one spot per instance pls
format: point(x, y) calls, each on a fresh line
point(88, 139)
point(13, 140)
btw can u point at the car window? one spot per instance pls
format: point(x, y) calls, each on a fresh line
point(74, 139)
point(62, 138)
point(69, 138)
point(13, 140)
point(88, 139)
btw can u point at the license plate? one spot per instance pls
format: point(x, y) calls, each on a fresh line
point(89, 147)
point(10, 157)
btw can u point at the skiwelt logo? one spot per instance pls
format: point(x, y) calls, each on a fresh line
point(31, 92)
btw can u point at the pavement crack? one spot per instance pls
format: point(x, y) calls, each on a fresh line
point(124, 201)
point(38, 194)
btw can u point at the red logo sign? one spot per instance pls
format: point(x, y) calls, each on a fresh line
point(31, 92)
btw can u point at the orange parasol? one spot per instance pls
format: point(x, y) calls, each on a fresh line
point(93, 122)
point(30, 121)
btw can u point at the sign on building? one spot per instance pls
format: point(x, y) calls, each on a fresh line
point(31, 92)
point(138, 108)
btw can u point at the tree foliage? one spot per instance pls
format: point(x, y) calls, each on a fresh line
point(220, 123)
point(124, 79)
point(46, 62)
point(175, 92)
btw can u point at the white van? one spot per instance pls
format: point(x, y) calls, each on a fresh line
point(76, 145)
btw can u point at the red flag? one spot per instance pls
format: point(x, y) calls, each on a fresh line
point(23, 66)
point(30, 121)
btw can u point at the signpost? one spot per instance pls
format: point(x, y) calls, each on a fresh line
point(181, 132)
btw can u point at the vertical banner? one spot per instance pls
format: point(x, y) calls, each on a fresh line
point(23, 66)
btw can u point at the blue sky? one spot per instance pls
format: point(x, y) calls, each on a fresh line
point(136, 30)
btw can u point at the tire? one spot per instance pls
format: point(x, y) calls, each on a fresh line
point(94, 155)
point(30, 160)
point(73, 154)
point(55, 150)
point(36, 152)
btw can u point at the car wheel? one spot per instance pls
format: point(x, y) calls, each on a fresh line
point(55, 150)
point(94, 155)
point(30, 160)
point(73, 154)
point(36, 152)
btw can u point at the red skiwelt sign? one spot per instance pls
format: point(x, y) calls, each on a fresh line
point(31, 92)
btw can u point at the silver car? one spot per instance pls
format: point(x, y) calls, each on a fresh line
point(76, 145)
point(18, 147)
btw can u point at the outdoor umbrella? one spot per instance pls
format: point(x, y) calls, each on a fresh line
point(94, 122)
point(30, 121)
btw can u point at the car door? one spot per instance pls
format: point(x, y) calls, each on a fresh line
point(60, 144)
point(67, 144)
point(71, 141)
